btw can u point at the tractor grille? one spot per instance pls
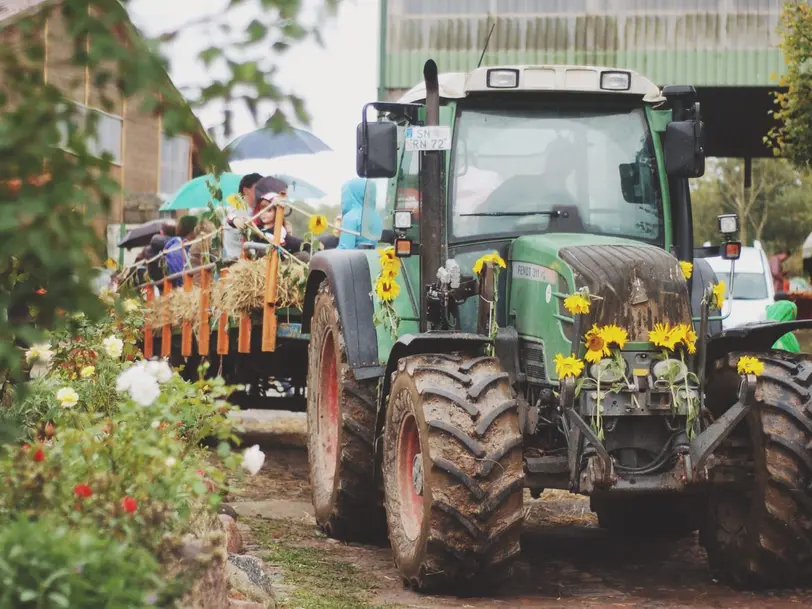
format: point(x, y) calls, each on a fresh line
point(532, 358)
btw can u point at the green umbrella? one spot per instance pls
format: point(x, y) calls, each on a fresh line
point(196, 193)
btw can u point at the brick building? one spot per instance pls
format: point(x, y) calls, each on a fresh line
point(148, 164)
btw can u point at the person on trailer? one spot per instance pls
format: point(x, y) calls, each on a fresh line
point(177, 252)
point(238, 215)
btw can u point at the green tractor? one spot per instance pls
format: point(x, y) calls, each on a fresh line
point(594, 362)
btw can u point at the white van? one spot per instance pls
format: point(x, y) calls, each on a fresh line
point(753, 288)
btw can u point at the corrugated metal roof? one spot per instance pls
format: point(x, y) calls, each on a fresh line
point(10, 8)
point(702, 42)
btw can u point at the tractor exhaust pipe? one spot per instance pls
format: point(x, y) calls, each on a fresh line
point(431, 205)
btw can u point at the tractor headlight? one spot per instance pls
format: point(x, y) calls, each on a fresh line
point(670, 369)
point(616, 81)
point(610, 372)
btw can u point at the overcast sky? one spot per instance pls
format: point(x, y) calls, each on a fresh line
point(335, 81)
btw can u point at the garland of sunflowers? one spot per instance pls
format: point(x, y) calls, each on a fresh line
point(602, 344)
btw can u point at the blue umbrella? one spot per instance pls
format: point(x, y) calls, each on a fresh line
point(196, 193)
point(268, 144)
point(299, 189)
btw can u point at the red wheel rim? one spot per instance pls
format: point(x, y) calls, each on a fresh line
point(328, 411)
point(410, 477)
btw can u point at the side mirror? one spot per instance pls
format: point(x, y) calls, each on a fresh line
point(377, 150)
point(684, 148)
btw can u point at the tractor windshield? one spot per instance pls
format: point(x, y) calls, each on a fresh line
point(516, 169)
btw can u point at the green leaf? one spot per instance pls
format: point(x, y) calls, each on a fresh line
point(209, 55)
point(28, 595)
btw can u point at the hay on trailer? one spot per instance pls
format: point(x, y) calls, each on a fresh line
point(242, 290)
point(183, 306)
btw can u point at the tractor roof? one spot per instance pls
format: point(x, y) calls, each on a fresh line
point(563, 78)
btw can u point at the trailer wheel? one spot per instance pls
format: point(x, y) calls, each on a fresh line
point(453, 473)
point(341, 421)
point(759, 534)
point(664, 516)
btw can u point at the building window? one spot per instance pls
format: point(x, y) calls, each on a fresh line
point(109, 130)
point(175, 169)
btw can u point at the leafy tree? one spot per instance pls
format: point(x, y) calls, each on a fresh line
point(792, 138)
point(722, 190)
point(48, 246)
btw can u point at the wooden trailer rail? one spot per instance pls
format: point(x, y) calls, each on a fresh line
point(269, 315)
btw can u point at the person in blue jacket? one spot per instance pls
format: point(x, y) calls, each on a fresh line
point(352, 207)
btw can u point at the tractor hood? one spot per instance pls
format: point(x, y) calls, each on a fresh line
point(638, 285)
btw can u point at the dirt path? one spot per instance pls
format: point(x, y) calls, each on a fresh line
point(566, 560)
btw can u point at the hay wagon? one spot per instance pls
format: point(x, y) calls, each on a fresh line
point(243, 318)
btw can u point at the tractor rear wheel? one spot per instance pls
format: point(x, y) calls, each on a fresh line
point(341, 422)
point(759, 534)
point(453, 473)
point(666, 516)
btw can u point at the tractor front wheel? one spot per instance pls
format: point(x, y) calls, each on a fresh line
point(453, 474)
point(340, 424)
point(759, 533)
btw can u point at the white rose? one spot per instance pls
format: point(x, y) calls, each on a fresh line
point(40, 353)
point(155, 424)
point(87, 372)
point(67, 397)
point(113, 346)
point(252, 459)
point(171, 461)
point(126, 379)
point(145, 390)
point(160, 369)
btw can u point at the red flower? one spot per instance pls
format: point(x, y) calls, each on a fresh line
point(129, 504)
point(82, 490)
point(42, 292)
point(39, 455)
point(179, 423)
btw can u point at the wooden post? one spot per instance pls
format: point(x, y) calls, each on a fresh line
point(166, 330)
point(272, 285)
point(204, 332)
point(186, 331)
point(244, 336)
point(222, 326)
point(148, 337)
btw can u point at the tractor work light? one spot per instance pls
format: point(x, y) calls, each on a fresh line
point(402, 220)
point(503, 79)
point(616, 81)
point(728, 224)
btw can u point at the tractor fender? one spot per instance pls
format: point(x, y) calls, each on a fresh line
point(754, 337)
point(347, 272)
point(412, 344)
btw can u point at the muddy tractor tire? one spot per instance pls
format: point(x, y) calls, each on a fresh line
point(453, 473)
point(658, 516)
point(759, 534)
point(341, 422)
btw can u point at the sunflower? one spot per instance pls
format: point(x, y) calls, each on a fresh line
point(683, 333)
point(577, 304)
point(663, 335)
point(236, 201)
point(687, 269)
point(387, 288)
point(596, 347)
point(389, 260)
point(719, 295)
point(614, 334)
point(493, 257)
point(567, 366)
point(750, 365)
point(111, 264)
point(317, 224)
